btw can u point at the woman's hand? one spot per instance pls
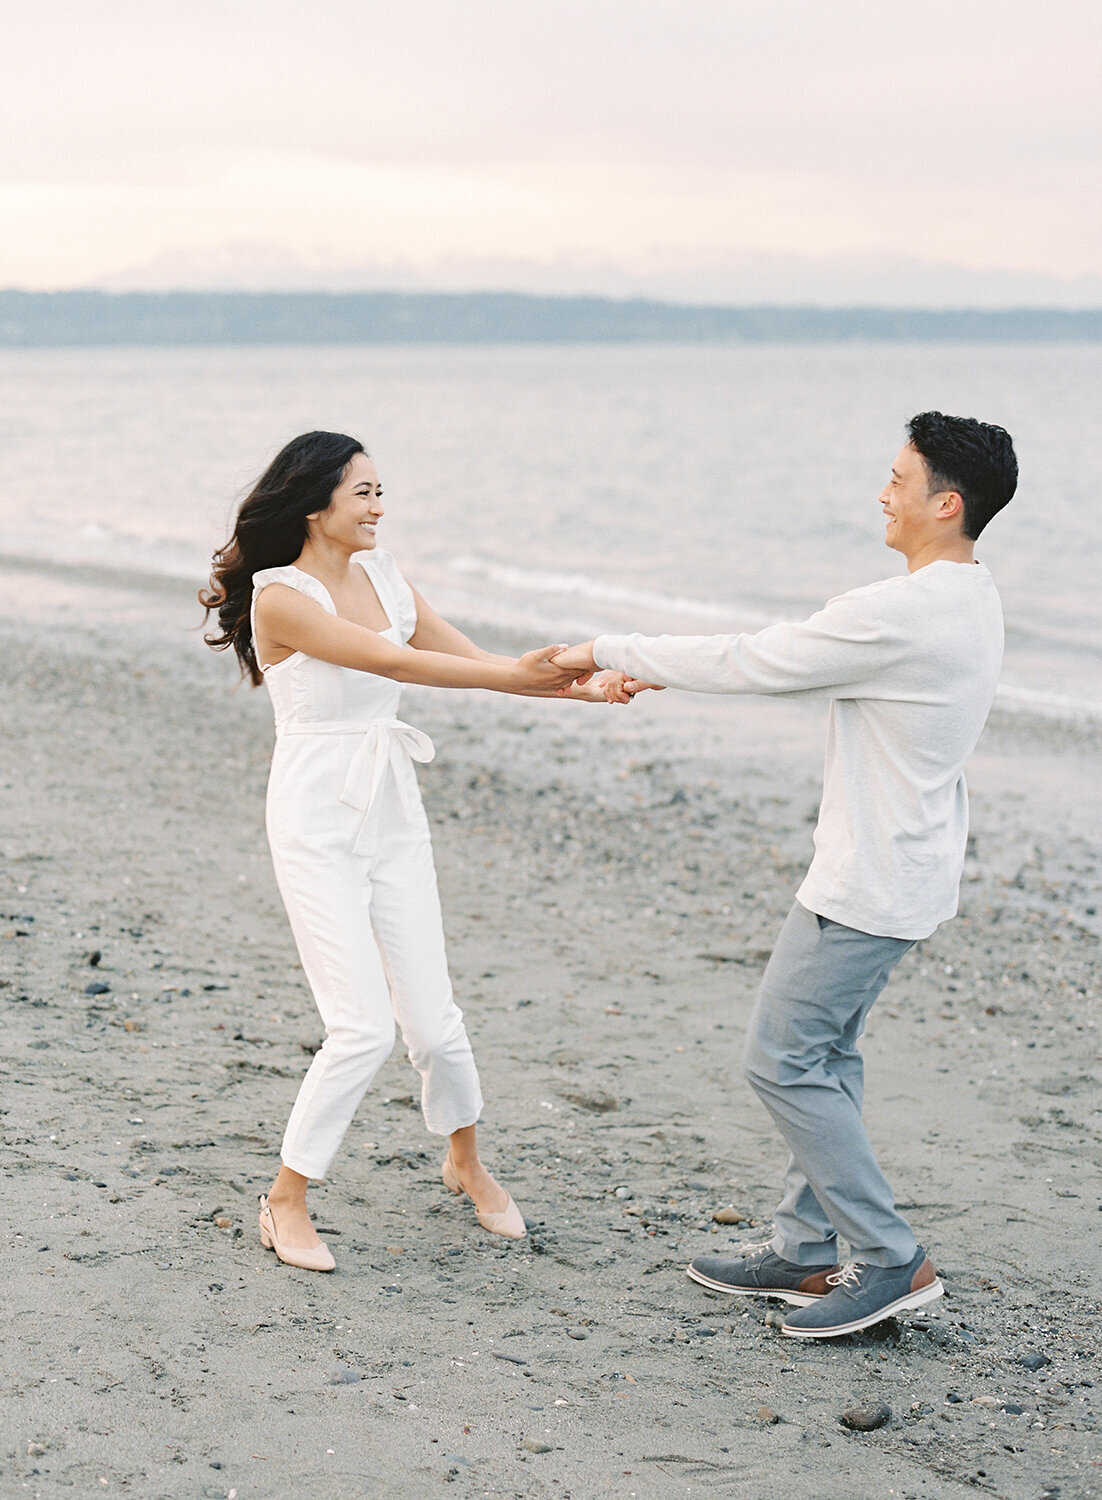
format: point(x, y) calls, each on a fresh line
point(608, 687)
point(600, 687)
point(537, 671)
point(632, 685)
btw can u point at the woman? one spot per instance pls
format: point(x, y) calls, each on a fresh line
point(315, 610)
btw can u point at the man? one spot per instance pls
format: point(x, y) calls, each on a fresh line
point(909, 666)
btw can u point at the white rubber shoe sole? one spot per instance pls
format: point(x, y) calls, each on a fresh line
point(799, 1299)
point(901, 1304)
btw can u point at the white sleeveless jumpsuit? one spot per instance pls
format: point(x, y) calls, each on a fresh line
point(353, 861)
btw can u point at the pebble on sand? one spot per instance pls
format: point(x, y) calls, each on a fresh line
point(338, 1374)
point(97, 987)
point(767, 1415)
point(1034, 1360)
point(866, 1416)
point(728, 1216)
point(530, 1445)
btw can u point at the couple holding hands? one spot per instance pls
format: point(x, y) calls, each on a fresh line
point(313, 608)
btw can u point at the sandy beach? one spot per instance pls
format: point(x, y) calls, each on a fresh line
point(612, 886)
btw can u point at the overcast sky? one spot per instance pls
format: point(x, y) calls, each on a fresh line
point(585, 143)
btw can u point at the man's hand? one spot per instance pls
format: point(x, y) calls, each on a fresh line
point(614, 687)
point(540, 671)
point(577, 659)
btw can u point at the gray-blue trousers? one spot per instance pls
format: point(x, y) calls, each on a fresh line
point(803, 1062)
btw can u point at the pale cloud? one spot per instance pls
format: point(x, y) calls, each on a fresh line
point(644, 134)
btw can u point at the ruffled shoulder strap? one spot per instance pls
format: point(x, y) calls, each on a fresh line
point(295, 578)
point(394, 592)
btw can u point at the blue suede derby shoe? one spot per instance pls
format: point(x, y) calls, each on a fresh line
point(763, 1273)
point(861, 1295)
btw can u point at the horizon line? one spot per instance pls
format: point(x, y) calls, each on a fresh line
point(626, 300)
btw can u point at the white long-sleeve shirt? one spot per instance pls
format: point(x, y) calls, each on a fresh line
point(910, 666)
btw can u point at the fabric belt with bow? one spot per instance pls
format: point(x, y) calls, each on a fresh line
point(384, 744)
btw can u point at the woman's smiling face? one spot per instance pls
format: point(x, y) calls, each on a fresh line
point(355, 509)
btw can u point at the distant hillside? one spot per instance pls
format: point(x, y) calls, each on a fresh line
point(53, 319)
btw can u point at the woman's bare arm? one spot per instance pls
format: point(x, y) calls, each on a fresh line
point(434, 633)
point(293, 622)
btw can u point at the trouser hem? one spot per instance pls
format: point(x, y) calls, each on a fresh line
point(818, 1254)
point(316, 1171)
point(881, 1259)
point(459, 1124)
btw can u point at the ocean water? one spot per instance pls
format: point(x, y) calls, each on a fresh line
point(564, 491)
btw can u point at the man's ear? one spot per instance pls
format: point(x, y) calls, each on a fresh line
point(950, 504)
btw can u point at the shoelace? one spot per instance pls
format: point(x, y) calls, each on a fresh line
point(756, 1249)
point(849, 1275)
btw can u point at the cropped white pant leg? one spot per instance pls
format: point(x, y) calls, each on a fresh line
point(371, 939)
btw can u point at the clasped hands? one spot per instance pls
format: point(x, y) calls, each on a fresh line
point(614, 687)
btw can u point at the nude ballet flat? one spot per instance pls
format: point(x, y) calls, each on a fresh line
point(319, 1258)
point(508, 1222)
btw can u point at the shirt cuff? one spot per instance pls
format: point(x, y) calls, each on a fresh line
point(604, 649)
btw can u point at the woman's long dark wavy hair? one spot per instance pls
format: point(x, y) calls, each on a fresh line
point(270, 532)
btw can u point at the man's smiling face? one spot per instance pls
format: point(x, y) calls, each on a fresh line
point(909, 509)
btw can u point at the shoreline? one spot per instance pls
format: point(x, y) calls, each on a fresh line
point(92, 582)
point(611, 888)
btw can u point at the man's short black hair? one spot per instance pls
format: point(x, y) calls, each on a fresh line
point(974, 458)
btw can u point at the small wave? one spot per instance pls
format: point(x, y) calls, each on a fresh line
point(581, 586)
point(101, 546)
point(1046, 705)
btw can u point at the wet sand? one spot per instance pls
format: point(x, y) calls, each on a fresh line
point(611, 894)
